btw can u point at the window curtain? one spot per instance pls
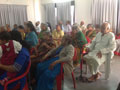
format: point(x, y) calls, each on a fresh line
point(63, 12)
point(50, 14)
point(118, 18)
point(13, 14)
point(105, 10)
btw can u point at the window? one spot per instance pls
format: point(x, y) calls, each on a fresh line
point(56, 15)
point(72, 13)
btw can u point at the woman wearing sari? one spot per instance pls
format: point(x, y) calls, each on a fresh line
point(20, 63)
point(44, 28)
point(91, 33)
point(45, 46)
point(47, 70)
point(57, 35)
point(31, 36)
point(117, 52)
point(79, 41)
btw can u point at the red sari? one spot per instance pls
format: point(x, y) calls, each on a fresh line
point(117, 52)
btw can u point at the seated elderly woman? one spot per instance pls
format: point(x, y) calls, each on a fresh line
point(79, 41)
point(20, 63)
point(31, 36)
point(44, 28)
point(57, 35)
point(47, 70)
point(91, 33)
point(98, 51)
point(45, 46)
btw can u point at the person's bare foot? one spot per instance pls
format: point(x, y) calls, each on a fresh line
point(91, 79)
point(98, 75)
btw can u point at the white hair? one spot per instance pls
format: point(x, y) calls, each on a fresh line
point(108, 26)
point(75, 27)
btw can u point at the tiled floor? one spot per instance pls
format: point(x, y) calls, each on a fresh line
point(101, 84)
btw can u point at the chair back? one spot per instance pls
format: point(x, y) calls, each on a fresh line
point(75, 54)
point(110, 56)
point(19, 77)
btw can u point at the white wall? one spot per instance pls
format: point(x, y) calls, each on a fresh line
point(38, 10)
point(54, 1)
point(23, 2)
point(31, 10)
point(83, 11)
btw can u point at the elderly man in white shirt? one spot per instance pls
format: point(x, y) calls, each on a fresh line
point(82, 26)
point(68, 28)
point(37, 26)
point(103, 44)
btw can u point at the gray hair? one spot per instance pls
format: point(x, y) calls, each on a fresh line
point(45, 25)
point(68, 39)
point(75, 27)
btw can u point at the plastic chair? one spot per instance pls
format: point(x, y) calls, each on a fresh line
point(75, 54)
point(60, 77)
point(82, 52)
point(17, 87)
point(32, 50)
point(107, 65)
point(82, 60)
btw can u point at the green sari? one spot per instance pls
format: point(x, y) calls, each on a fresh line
point(91, 34)
point(80, 40)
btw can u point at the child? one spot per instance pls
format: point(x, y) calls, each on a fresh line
point(8, 53)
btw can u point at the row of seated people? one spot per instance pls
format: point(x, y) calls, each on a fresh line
point(13, 44)
point(78, 40)
point(49, 52)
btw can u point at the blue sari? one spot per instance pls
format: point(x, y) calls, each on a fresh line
point(20, 65)
point(45, 77)
point(32, 38)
